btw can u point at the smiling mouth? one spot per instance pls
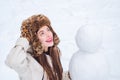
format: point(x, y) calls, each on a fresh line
point(49, 40)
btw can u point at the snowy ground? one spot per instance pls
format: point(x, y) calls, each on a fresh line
point(66, 17)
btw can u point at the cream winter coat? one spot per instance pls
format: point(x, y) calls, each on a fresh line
point(24, 64)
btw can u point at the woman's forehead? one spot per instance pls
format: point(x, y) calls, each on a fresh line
point(43, 28)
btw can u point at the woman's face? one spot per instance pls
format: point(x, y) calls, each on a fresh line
point(45, 36)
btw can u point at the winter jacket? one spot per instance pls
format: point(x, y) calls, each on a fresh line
point(24, 64)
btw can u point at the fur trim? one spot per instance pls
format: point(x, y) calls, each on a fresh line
point(23, 42)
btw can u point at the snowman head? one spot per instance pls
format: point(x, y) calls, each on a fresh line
point(89, 38)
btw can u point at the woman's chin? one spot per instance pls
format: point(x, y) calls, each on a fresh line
point(50, 44)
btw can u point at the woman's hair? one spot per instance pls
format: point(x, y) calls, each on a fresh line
point(29, 30)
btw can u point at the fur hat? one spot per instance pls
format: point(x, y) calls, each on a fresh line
point(29, 30)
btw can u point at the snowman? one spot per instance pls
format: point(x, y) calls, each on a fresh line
point(89, 62)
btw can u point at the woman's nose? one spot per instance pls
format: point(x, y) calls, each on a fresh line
point(48, 34)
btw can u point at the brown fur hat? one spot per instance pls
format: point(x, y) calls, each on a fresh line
point(29, 30)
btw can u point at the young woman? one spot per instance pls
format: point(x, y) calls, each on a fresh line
point(36, 55)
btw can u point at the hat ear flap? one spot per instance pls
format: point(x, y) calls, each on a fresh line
point(26, 33)
point(56, 39)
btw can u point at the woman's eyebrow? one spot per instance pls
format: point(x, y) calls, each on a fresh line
point(40, 31)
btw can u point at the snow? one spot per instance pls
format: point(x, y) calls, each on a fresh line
point(66, 16)
point(98, 54)
point(89, 38)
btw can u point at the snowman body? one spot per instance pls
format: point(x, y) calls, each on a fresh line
point(98, 57)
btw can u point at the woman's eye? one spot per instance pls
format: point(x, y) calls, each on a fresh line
point(42, 33)
point(48, 29)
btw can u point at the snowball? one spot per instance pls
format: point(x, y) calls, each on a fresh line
point(89, 38)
